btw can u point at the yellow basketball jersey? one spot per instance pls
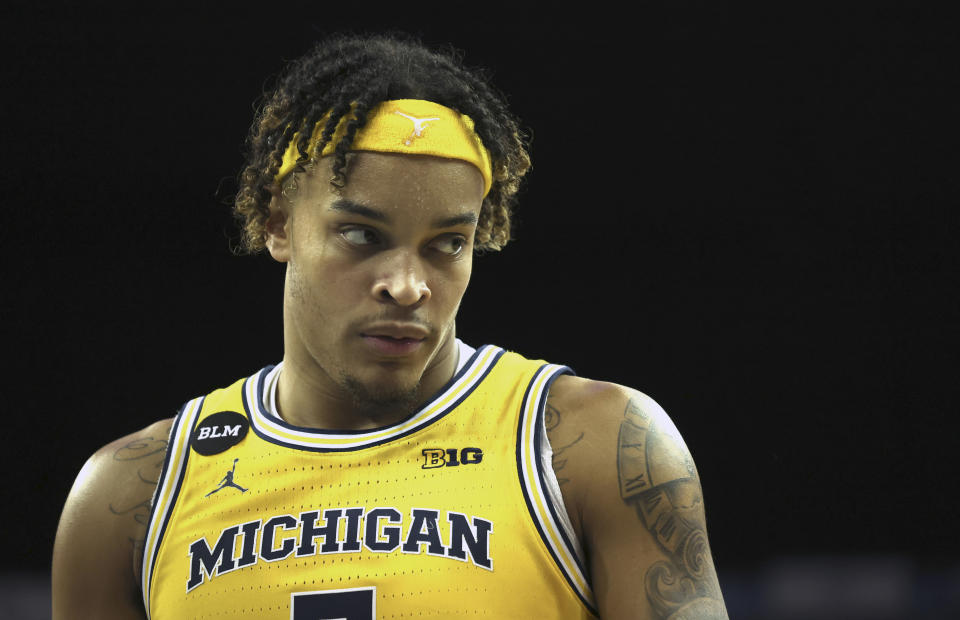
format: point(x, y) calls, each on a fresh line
point(447, 513)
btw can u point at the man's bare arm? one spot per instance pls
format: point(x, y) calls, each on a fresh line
point(99, 545)
point(633, 494)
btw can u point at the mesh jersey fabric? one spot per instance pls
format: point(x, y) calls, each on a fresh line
point(444, 514)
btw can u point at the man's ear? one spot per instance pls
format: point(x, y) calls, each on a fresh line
point(277, 225)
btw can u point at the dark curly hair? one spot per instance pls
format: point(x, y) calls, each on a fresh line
point(367, 70)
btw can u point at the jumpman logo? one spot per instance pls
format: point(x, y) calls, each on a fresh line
point(418, 125)
point(228, 481)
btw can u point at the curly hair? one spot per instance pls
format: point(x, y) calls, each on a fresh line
point(364, 71)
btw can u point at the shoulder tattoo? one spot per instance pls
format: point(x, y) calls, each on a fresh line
point(147, 455)
point(559, 461)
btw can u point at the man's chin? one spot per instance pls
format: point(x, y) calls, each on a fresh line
point(382, 398)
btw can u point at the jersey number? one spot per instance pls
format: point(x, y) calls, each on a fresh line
point(350, 604)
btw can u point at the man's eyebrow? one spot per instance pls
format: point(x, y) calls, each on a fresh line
point(456, 220)
point(345, 205)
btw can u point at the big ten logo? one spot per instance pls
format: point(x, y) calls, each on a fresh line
point(451, 457)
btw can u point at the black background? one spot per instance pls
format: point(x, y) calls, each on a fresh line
point(748, 214)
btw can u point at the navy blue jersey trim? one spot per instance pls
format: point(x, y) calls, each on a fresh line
point(314, 431)
point(523, 487)
point(176, 490)
point(305, 429)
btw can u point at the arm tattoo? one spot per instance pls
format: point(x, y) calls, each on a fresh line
point(551, 417)
point(552, 421)
point(666, 496)
point(150, 452)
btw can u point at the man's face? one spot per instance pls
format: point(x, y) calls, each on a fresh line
point(376, 271)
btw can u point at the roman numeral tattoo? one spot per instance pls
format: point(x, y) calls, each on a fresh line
point(658, 478)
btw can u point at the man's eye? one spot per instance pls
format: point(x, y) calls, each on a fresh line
point(360, 236)
point(451, 245)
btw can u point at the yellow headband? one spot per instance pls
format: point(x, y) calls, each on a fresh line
point(409, 126)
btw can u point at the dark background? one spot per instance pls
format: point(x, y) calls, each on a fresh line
point(748, 214)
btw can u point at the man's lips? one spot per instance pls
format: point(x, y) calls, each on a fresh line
point(394, 339)
point(396, 331)
point(386, 345)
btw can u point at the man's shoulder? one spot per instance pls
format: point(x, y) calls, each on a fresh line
point(633, 496)
point(610, 415)
point(123, 474)
point(598, 428)
point(606, 404)
point(137, 457)
point(113, 491)
point(103, 525)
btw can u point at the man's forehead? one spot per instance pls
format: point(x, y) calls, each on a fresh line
point(381, 186)
point(392, 165)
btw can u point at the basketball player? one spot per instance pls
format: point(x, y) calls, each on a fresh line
point(384, 468)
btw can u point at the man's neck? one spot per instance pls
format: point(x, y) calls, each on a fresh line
point(308, 396)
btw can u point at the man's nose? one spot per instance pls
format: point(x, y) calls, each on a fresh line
point(402, 280)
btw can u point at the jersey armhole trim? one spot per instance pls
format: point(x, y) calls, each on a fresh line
point(553, 529)
point(168, 488)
